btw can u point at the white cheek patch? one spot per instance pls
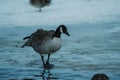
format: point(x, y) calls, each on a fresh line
point(61, 30)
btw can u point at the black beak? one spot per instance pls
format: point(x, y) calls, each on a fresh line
point(67, 33)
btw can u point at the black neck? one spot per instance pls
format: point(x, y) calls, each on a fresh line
point(57, 33)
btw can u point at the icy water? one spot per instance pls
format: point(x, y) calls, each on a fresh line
point(91, 49)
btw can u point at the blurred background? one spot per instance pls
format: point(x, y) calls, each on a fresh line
point(93, 47)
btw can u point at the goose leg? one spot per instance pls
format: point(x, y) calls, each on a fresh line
point(42, 58)
point(47, 62)
point(48, 65)
point(40, 9)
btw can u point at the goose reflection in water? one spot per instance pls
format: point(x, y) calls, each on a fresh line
point(46, 75)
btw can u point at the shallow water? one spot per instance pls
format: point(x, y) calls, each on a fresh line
point(91, 49)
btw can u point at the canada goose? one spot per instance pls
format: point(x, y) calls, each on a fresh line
point(100, 77)
point(40, 3)
point(46, 42)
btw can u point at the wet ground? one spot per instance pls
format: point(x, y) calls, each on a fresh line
point(91, 49)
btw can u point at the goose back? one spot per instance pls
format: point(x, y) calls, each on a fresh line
point(38, 37)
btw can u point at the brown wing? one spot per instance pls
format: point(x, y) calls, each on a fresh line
point(38, 36)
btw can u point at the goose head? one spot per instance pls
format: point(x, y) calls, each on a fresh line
point(61, 29)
